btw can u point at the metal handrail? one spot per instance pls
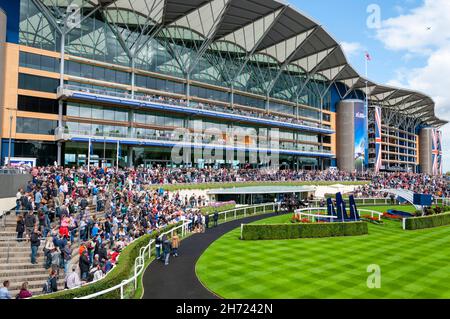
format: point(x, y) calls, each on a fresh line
point(140, 260)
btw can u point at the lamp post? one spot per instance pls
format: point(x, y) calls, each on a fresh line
point(10, 139)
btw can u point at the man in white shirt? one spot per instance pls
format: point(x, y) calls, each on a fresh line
point(4, 292)
point(73, 279)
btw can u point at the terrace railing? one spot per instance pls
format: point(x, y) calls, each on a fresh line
point(180, 102)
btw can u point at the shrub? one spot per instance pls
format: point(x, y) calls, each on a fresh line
point(123, 270)
point(294, 231)
point(427, 221)
point(211, 209)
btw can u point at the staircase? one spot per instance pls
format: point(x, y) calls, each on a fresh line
point(17, 268)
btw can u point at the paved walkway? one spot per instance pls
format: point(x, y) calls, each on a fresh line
point(178, 279)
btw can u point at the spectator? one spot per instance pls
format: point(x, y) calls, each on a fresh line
point(216, 218)
point(175, 244)
point(84, 265)
point(51, 285)
point(4, 292)
point(166, 249)
point(20, 228)
point(35, 243)
point(24, 292)
point(30, 221)
point(72, 279)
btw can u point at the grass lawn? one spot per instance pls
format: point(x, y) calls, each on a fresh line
point(175, 187)
point(414, 264)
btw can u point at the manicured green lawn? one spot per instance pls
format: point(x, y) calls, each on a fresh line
point(414, 264)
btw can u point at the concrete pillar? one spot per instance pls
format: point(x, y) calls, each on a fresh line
point(59, 155)
point(345, 135)
point(425, 150)
point(130, 156)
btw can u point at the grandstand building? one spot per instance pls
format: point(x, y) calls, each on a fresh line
point(110, 82)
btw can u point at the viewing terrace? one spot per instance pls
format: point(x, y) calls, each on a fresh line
point(181, 106)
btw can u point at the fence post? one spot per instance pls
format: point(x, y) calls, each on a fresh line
point(135, 277)
point(235, 214)
point(121, 291)
point(254, 210)
point(225, 216)
point(242, 227)
point(404, 223)
point(245, 212)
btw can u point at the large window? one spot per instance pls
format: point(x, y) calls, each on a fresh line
point(96, 112)
point(97, 72)
point(159, 84)
point(249, 101)
point(281, 108)
point(36, 104)
point(209, 93)
point(45, 152)
point(38, 62)
point(35, 126)
point(37, 83)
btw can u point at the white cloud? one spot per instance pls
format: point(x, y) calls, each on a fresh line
point(411, 31)
point(352, 48)
point(408, 32)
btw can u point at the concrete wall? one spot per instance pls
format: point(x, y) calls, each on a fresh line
point(345, 135)
point(10, 183)
point(425, 155)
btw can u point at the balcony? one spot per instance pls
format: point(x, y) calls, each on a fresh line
point(177, 139)
point(177, 105)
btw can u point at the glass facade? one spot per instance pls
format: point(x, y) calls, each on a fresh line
point(171, 51)
point(37, 83)
point(35, 126)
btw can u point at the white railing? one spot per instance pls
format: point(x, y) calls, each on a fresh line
point(307, 212)
point(384, 200)
point(145, 252)
point(232, 214)
point(139, 263)
point(372, 212)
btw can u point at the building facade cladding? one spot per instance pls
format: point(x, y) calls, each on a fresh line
point(141, 48)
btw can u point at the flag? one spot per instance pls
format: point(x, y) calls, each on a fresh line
point(368, 57)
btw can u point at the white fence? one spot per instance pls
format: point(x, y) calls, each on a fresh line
point(145, 252)
point(308, 213)
point(384, 201)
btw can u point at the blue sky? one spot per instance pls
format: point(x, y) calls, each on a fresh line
point(345, 20)
point(410, 48)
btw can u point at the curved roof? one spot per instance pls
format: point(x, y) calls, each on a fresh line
point(270, 27)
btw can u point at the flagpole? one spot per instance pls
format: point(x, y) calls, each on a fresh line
point(367, 107)
point(117, 156)
point(89, 154)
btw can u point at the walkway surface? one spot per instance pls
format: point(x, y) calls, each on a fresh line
point(178, 279)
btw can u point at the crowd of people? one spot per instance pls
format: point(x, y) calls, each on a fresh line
point(59, 206)
point(437, 186)
point(217, 108)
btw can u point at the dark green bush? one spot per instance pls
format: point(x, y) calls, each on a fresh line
point(293, 231)
point(427, 221)
point(123, 270)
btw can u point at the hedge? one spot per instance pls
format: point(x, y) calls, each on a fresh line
point(294, 231)
point(123, 270)
point(427, 221)
point(211, 209)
